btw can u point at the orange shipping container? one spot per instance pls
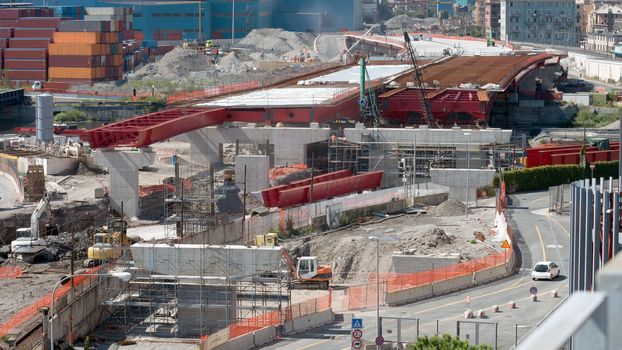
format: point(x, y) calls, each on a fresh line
point(75, 73)
point(76, 49)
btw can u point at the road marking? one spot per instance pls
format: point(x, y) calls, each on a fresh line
point(314, 344)
point(522, 299)
point(476, 297)
point(541, 243)
point(539, 199)
point(560, 225)
point(517, 282)
point(554, 246)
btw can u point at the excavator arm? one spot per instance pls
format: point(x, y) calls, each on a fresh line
point(42, 212)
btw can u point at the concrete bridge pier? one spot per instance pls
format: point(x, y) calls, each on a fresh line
point(123, 166)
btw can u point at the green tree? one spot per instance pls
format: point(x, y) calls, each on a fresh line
point(72, 115)
point(445, 342)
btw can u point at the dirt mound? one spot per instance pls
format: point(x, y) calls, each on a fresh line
point(232, 64)
point(450, 207)
point(177, 63)
point(433, 238)
point(277, 41)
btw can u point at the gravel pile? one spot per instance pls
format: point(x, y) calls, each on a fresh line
point(278, 41)
point(450, 207)
point(231, 64)
point(177, 63)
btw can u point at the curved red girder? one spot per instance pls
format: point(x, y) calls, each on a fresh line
point(144, 130)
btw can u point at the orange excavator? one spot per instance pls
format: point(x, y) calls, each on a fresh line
point(307, 273)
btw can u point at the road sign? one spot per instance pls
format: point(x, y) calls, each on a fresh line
point(357, 333)
point(533, 290)
point(357, 323)
point(379, 340)
point(506, 244)
point(357, 344)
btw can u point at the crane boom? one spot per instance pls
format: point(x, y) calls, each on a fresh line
point(418, 76)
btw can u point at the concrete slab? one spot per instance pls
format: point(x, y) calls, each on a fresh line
point(294, 96)
point(352, 74)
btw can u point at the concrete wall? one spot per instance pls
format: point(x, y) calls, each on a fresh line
point(304, 323)
point(580, 99)
point(412, 263)
point(220, 340)
point(410, 295)
point(455, 179)
point(432, 137)
point(288, 142)
point(51, 166)
point(257, 167)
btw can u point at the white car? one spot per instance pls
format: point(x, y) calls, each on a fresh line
point(544, 270)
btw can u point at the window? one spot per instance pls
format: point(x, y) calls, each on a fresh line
point(304, 266)
point(511, 4)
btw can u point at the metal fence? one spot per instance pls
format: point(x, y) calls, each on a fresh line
point(559, 199)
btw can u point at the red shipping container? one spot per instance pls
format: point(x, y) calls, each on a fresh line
point(34, 32)
point(27, 74)
point(6, 32)
point(74, 61)
point(28, 43)
point(26, 53)
point(39, 22)
point(4, 43)
point(15, 13)
point(26, 64)
point(9, 23)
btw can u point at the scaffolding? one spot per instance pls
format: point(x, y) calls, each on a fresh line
point(192, 306)
point(190, 203)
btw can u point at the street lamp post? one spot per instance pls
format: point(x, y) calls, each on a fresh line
point(466, 201)
point(232, 21)
point(378, 239)
point(123, 276)
point(592, 167)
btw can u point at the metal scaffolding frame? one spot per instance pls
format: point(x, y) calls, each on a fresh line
point(193, 306)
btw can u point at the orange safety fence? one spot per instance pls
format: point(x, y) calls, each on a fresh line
point(10, 271)
point(308, 307)
point(254, 323)
point(32, 310)
point(211, 92)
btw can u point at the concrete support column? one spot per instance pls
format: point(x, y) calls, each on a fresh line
point(123, 169)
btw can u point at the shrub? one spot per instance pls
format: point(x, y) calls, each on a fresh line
point(445, 342)
point(543, 177)
point(72, 115)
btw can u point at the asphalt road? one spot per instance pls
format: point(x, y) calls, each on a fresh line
point(540, 236)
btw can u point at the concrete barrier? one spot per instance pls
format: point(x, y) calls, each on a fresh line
point(450, 285)
point(243, 342)
point(264, 335)
point(307, 322)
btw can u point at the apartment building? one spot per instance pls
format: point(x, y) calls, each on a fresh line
point(544, 22)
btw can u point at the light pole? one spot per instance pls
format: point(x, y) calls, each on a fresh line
point(123, 276)
point(414, 164)
point(466, 201)
point(232, 21)
point(592, 167)
point(378, 239)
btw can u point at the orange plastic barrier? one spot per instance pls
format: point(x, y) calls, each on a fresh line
point(211, 92)
point(10, 272)
point(32, 310)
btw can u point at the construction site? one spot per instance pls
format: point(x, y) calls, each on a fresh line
point(243, 212)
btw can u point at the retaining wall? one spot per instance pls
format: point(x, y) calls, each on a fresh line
point(220, 340)
point(307, 322)
point(450, 285)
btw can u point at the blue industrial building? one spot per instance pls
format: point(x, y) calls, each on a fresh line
point(162, 16)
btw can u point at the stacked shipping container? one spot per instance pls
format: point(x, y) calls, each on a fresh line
point(86, 52)
point(25, 36)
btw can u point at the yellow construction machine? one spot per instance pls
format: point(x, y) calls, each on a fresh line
point(108, 245)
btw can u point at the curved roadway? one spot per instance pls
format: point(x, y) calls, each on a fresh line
point(539, 236)
point(8, 195)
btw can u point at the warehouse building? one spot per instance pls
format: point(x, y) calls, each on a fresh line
point(170, 20)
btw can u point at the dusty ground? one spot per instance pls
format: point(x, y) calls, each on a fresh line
point(353, 255)
point(18, 293)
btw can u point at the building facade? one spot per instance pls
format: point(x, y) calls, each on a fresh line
point(492, 15)
point(551, 22)
point(604, 29)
